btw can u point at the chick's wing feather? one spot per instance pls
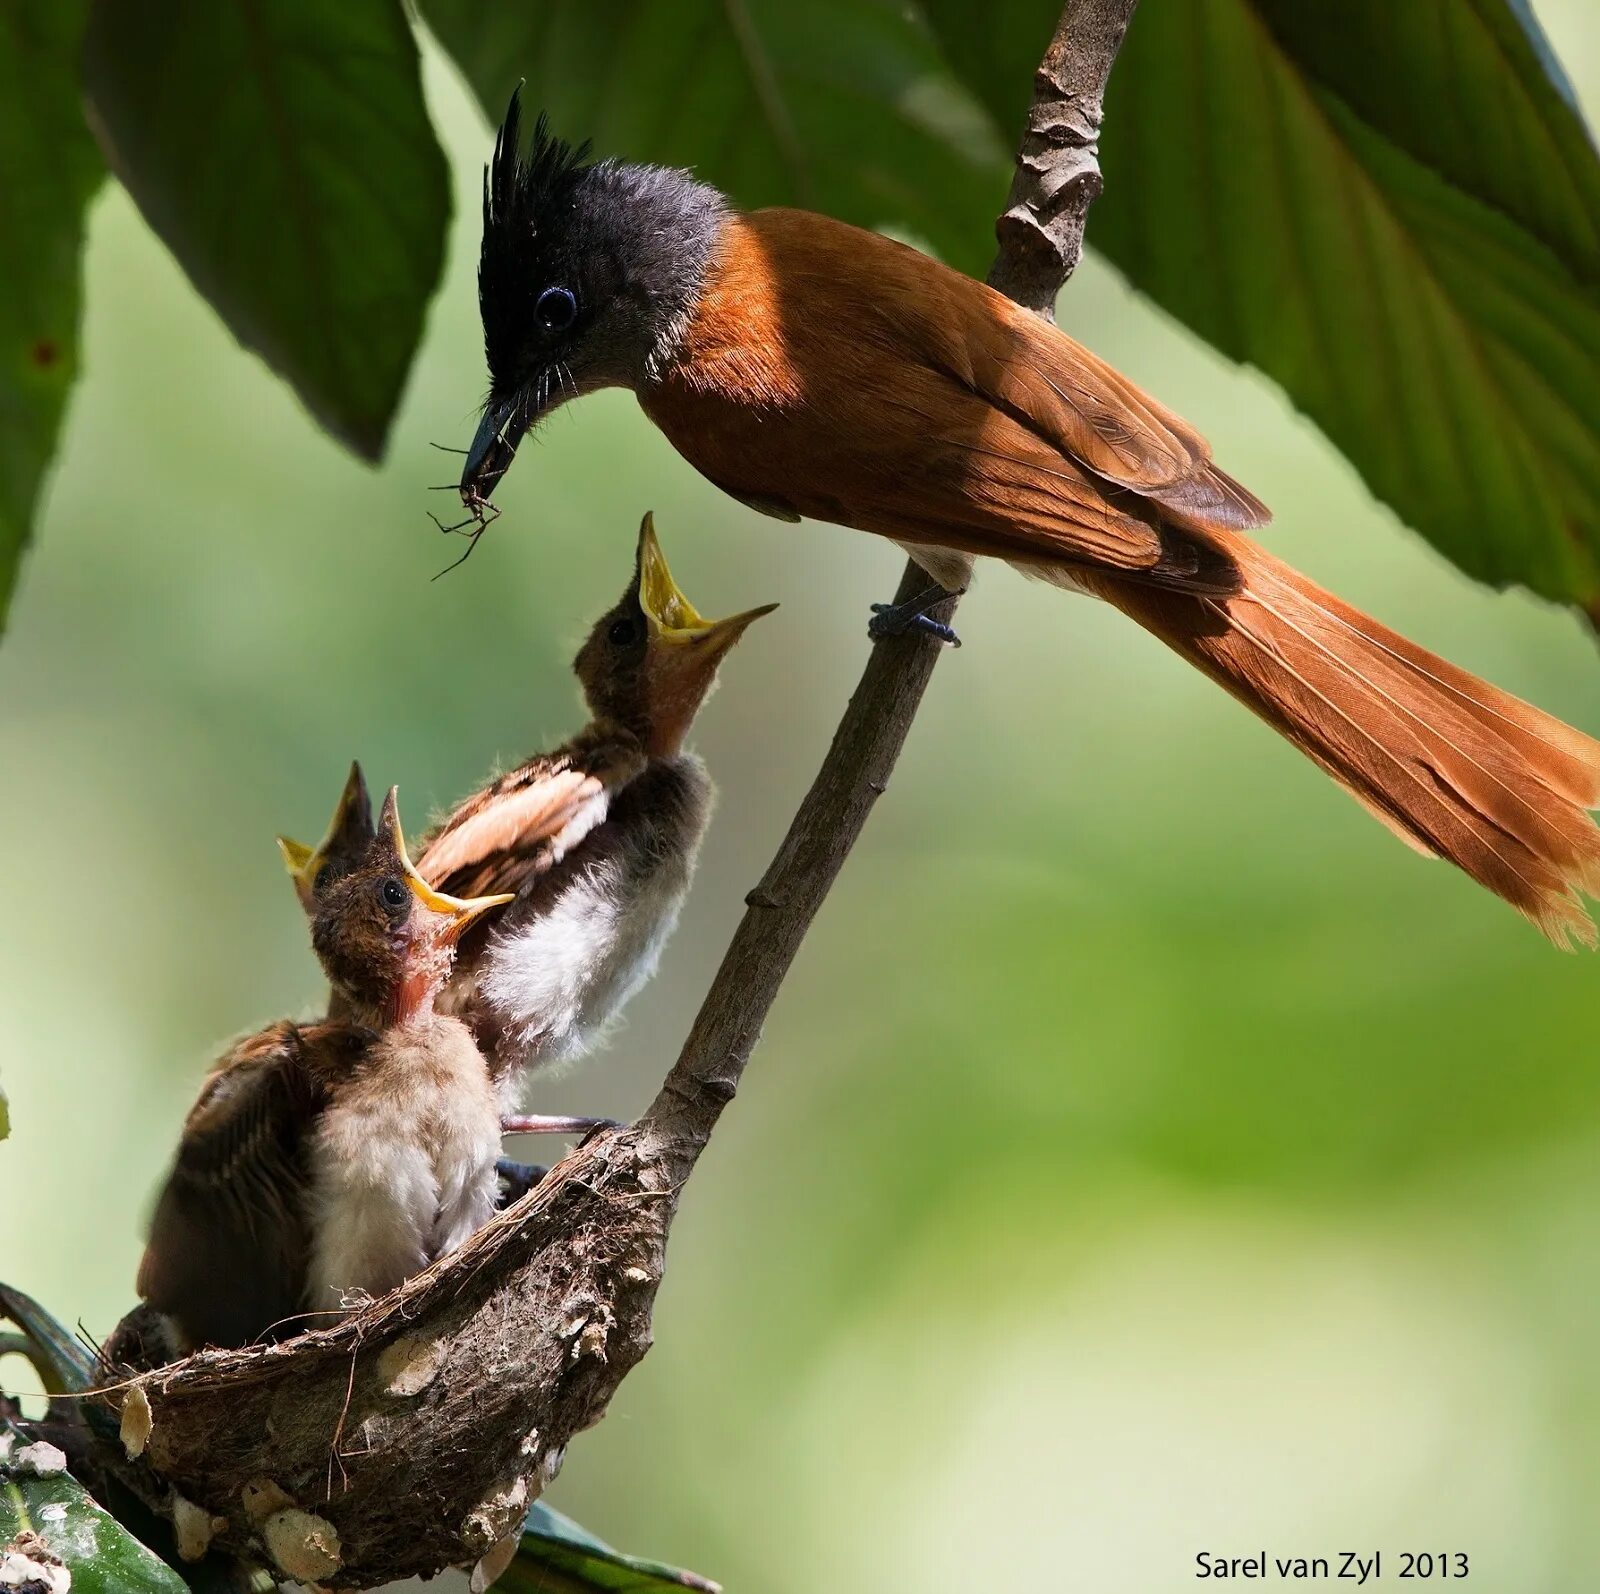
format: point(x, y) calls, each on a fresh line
point(228, 1243)
point(524, 823)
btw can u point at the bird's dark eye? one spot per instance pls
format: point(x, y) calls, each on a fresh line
point(557, 309)
point(623, 633)
point(394, 894)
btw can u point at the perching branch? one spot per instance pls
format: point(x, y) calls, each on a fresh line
point(415, 1434)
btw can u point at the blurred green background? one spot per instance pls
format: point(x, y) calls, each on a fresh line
point(1148, 1154)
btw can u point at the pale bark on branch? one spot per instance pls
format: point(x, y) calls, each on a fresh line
point(415, 1434)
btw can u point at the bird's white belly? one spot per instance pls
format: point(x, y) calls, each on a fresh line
point(405, 1173)
point(559, 980)
point(372, 1217)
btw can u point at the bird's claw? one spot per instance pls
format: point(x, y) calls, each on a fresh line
point(517, 1178)
point(899, 619)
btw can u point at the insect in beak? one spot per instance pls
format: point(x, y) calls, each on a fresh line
point(493, 448)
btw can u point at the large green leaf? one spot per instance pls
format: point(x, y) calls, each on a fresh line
point(1394, 210)
point(51, 168)
point(1426, 85)
point(841, 105)
point(559, 1557)
point(102, 1556)
point(282, 150)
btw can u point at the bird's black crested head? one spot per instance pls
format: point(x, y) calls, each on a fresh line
point(587, 273)
point(527, 203)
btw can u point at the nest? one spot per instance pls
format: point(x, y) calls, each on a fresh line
point(414, 1434)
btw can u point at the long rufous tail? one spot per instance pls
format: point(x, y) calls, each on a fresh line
point(1456, 767)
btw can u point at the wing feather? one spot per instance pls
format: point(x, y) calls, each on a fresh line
point(228, 1243)
point(524, 823)
point(1089, 410)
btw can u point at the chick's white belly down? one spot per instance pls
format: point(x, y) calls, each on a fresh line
point(557, 982)
point(403, 1168)
point(557, 970)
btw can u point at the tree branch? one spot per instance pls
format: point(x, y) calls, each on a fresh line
point(1040, 232)
point(414, 1434)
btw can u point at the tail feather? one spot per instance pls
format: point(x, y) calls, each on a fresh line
point(1454, 766)
point(1531, 796)
point(1562, 757)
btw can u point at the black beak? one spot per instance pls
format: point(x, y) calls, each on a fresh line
point(493, 449)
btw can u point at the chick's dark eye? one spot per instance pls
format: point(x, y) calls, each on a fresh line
point(393, 892)
point(622, 633)
point(557, 309)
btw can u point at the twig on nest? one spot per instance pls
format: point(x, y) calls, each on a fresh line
point(415, 1434)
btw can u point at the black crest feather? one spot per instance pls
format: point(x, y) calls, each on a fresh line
point(522, 192)
point(517, 187)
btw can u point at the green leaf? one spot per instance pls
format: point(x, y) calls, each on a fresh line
point(102, 1556)
point(65, 1363)
point(1443, 64)
point(51, 169)
point(840, 105)
point(557, 1556)
point(1393, 210)
point(5, 1106)
point(282, 150)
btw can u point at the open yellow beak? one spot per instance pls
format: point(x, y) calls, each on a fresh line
point(353, 816)
point(461, 912)
point(673, 619)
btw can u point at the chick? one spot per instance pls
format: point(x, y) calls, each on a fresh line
point(328, 1162)
point(597, 838)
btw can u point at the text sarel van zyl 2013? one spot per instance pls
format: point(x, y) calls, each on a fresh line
point(1355, 1567)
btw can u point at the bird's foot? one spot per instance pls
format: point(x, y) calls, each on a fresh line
point(547, 1124)
point(899, 619)
point(517, 1179)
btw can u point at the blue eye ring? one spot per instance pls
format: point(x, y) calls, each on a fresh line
point(556, 309)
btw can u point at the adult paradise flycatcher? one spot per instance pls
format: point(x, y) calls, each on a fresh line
point(812, 369)
point(328, 1162)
